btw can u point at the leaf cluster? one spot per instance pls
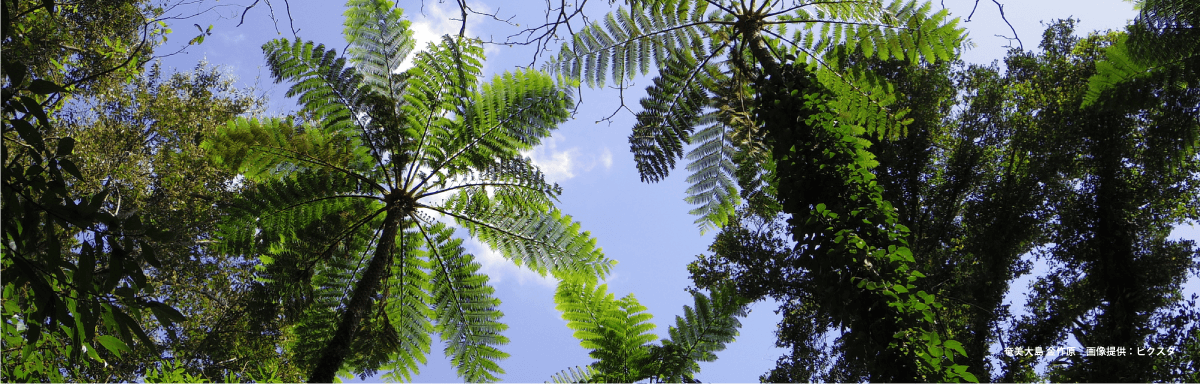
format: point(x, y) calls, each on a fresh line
point(618, 334)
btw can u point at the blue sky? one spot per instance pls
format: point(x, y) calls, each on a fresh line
point(644, 226)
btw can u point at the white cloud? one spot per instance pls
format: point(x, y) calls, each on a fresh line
point(555, 164)
point(231, 39)
point(434, 20)
point(606, 159)
point(561, 165)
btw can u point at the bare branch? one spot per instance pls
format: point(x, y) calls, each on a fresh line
point(1002, 17)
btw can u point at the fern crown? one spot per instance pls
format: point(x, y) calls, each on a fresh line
point(376, 148)
point(710, 54)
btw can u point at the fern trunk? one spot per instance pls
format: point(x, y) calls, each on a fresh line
point(338, 348)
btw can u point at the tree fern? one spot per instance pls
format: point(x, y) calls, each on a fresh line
point(342, 200)
point(700, 44)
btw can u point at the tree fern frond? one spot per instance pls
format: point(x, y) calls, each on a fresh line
point(1166, 31)
point(576, 374)
point(440, 85)
point(545, 241)
point(673, 107)
point(585, 307)
point(513, 112)
point(282, 208)
point(901, 31)
point(327, 87)
point(628, 44)
point(464, 306)
point(1116, 68)
point(712, 174)
point(616, 331)
point(729, 136)
point(262, 150)
point(407, 302)
point(702, 330)
point(514, 182)
point(380, 40)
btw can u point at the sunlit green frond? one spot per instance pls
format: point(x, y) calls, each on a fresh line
point(514, 182)
point(700, 332)
point(903, 30)
point(728, 134)
point(543, 241)
point(464, 307)
point(407, 302)
point(380, 40)
point(280, 209)
point(270, 149)
point(586, 307)
point(630, 43)
point(616, 331)
point(440, 87)
point(326, 86)
point(671, 111)
point(296, 177)
point(1117, 68)
point(511, 113)
point(518, 109)
point(618, 335)
point(575, 374)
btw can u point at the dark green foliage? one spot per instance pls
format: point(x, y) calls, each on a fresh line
point(78, 264)
point(1164, 40)
point(1131, 175)
point(859, 268)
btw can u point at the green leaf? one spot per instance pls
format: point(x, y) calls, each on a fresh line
point(69, 166)
point(906, 254)
point(45, 87)
point(957, 347)
point(113, 344)
point(28, 133)
point(65, 146)
point(165, 313)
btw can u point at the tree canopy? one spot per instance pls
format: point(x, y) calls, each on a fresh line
point(164, 227)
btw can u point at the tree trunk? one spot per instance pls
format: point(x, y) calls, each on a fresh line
point(360, 303)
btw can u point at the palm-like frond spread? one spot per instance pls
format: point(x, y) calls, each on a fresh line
point(702, 47)
point(617, 333)
point(345, 197)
